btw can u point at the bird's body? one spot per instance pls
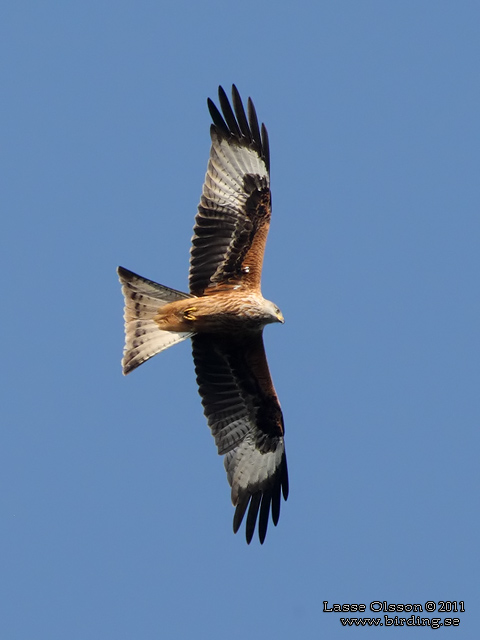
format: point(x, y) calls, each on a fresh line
point(220, 312)
point(224, 314)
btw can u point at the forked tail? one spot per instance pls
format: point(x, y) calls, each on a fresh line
point(143, 299)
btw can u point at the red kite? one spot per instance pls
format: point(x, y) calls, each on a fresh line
point(224, 314)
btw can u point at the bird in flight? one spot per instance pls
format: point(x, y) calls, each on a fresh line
point(224, 315)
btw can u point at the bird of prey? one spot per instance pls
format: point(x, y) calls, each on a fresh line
point(224, 314)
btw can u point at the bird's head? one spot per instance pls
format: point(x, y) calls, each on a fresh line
point(272, 313)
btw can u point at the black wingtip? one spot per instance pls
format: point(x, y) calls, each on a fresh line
point(264, 515)
point(240, 512)
point(216, 116)
point(240, 113)
point(242, 126)
point(253, 120)
point(285, 486)
point(261, 504)
point(252, 515)
point(265, 146)
point(228, 114)
point(276, 500)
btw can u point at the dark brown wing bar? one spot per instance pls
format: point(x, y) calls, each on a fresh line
point(244, 415)
point(234, 211)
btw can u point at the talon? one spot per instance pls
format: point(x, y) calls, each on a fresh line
point(189, 314)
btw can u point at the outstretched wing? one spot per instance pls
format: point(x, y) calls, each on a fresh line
point(244, 414)
point(233, 216)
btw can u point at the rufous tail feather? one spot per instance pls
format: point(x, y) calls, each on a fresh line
point(143, 299)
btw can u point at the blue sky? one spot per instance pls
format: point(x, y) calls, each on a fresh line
point(114, 506)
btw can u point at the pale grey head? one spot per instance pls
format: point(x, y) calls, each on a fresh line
point(272, 313)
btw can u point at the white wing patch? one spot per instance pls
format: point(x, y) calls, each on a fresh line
point(228, 165)
point(249, 470)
